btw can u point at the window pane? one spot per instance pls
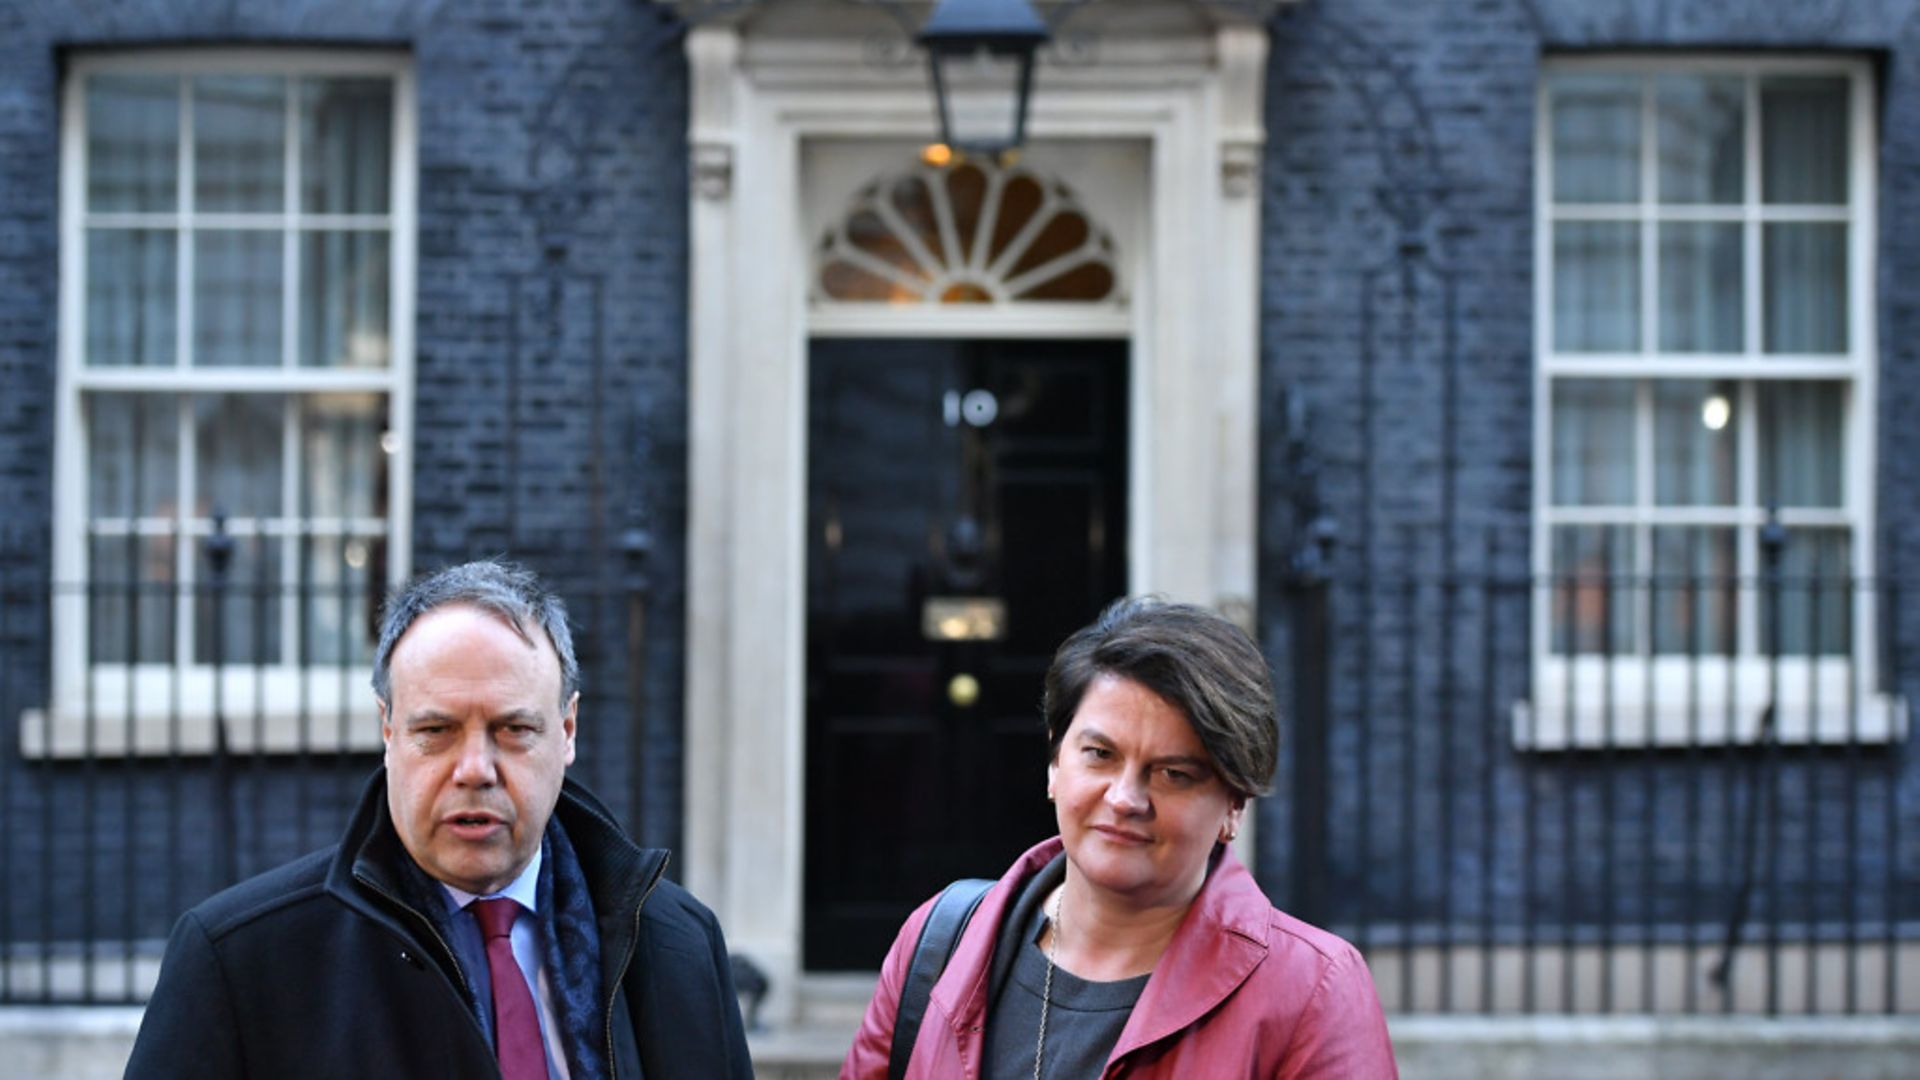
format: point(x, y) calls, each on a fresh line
point(1593, 444)
point(1596, 286)
point(1695, 441)
point(247, 601)
point(130, 297)
point(133, 452)
point(238, 442)
point(1593, 589)
point(870, 233)
point(1803, 449)
point(236, 292)
point(1700, 275)
point(1806, 288)
point(133, 443)
point(300, 477)
point(1596, 138)
point(1701, 136)
point(131, 599)
point(1695, 591)
point(343, 299)
point(1816, 596)
point(341, 597)
point(346, 145)
point(1087, 280)
point(845, 281)
point(343, 469)
point(133, 142)
point(239, 142)
point(1803, 139)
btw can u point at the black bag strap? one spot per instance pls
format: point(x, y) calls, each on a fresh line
point(938, 936)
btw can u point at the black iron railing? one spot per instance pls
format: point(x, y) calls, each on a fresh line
point(1511, 807)
point(160, 740)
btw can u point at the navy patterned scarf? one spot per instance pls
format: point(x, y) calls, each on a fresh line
point(572, 939)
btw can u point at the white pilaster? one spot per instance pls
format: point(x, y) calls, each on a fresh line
point(790, 78)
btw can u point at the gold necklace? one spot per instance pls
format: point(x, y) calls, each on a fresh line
point(1046, 991)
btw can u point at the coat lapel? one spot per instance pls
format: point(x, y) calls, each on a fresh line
point(1218, 945)
point(960, 996)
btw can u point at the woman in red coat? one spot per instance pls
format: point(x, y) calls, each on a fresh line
point(1135, 944)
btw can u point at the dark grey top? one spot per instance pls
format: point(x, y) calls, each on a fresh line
point(1084, 1019)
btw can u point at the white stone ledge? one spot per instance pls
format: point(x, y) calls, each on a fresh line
point(1434, 1047)
point(88, 1042)
point(67, 1042)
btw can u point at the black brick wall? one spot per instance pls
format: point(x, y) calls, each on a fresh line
point(551, 416)
point(550, 411)
point(1397, 308)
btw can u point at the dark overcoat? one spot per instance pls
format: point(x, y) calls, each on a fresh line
point(318, 969)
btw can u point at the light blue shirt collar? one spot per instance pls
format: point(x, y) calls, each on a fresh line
point(523, 890)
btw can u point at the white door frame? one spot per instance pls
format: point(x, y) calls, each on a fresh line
point(757, 94)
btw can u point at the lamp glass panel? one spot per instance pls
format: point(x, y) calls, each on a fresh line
point(982, 96)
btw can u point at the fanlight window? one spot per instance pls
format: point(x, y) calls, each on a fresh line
point(971, 234)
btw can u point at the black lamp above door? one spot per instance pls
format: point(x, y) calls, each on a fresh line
point(980, 54)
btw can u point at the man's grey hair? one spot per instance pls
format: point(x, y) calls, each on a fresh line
point(508, 591)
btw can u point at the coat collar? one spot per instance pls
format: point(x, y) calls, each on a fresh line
point(366, 869)
point(1219, 943)
point(1217, 946)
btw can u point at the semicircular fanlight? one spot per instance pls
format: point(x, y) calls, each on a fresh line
point(971, 234)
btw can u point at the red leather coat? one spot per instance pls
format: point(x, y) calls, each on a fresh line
point(1243, 990)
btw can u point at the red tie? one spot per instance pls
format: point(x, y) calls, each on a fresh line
point(516, 1024)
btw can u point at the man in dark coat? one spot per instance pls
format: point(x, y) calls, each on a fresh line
point(481, 916)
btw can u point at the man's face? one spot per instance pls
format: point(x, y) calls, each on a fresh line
point(477, 744)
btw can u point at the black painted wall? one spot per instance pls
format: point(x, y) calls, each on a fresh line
point(550, 416)
point(551, 420)
point(1397, 321)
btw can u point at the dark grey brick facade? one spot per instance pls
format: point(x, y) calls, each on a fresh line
point(1397, 318)
point(1397, 321)
point(551, 390)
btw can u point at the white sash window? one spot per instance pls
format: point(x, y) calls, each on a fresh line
point(1705, 335)
point(235, 360)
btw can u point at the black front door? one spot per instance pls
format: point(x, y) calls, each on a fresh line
point(966, 510)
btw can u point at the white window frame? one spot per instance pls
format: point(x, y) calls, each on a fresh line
point(276, 707)
point(1584, 701)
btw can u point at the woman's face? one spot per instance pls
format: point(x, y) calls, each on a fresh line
point(1139, 802)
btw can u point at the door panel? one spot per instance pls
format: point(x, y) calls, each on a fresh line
point(989, 470)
